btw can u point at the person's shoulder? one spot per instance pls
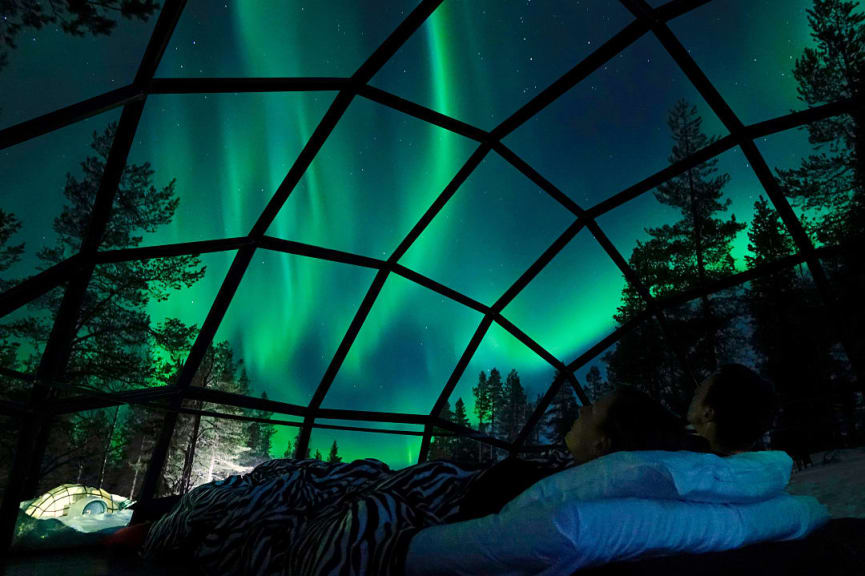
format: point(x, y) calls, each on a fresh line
point(696, 443)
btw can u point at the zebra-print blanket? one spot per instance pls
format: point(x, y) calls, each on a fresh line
point(304, 517)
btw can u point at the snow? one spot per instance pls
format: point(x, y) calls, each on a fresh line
point(839, 483)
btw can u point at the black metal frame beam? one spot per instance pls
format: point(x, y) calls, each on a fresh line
point(33, 435)
point(77, 270)
point(770, 185)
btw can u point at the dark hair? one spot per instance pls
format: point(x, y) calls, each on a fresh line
point(637, 422)
point(743, 403)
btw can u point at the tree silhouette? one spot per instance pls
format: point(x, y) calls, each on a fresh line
point(688, 254)
point(512, 415)
point(831, 181)
point(77, 18)
point(333, 457)
point(562, 411)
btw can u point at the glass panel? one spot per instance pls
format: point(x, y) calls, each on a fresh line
point(222, 155)
point(57, 60)
point(558, 418)
point(205, 449)
point(846, 273)
point(404, 353)
point(139, 319)
point(816, 167)
point(499, 384)
point(496, 225)
point(23, 336)
point(373, 179)
point(43, 179)
point(108, 448)
point(748, 50)
point(571, 304)
point(778, 326)
point(8, 444)
point(618, 134)
point(468, 453)
point(395, 450)
point(479, 61)
point(287, 319)
point(279, 38)
point(698, 227)
point(641, 358)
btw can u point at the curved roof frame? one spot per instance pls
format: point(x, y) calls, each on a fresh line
point(76, 271)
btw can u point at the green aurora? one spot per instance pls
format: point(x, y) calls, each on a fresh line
point(380, 170)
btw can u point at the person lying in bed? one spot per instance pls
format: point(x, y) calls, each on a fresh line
point(732, 409)
point(626, 419)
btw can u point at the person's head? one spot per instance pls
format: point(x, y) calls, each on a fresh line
point(626, 419)
point(732, 408)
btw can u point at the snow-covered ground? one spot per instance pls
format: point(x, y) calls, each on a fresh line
point(839, 484)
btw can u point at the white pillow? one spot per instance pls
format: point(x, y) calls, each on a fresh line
point(691, 476)
point(559, 539)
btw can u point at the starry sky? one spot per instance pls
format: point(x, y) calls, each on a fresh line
point(379, 171)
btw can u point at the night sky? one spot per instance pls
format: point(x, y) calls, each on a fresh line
point(379, 171)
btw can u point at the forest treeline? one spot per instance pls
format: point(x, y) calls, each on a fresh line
point(779, 323)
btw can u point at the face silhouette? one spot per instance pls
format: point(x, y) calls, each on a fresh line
point(586, 439)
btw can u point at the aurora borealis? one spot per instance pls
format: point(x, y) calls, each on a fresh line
point(380, 170)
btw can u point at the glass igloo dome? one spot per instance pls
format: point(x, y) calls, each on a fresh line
point(406, 230)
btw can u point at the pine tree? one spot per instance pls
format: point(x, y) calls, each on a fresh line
point(289, 449)
point(494, 399)
point(831, 182)
point(441, 445)
point(513, 411)
point(96, 17)
point(596, 386)
point(462, 449)
point(317, 454)
point(787, 326)
point(688, 254)
point(482, 400)
point(562, 411)
point(334, 457)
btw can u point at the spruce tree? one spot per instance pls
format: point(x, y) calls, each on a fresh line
point(334, 457)
point(494, 399)
point(289, 449)
point(513, 411)
point(462, 449)
point(787, 326)
point(831, 181)
point(482, 400)
point(688, 254)
point(562, 411)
